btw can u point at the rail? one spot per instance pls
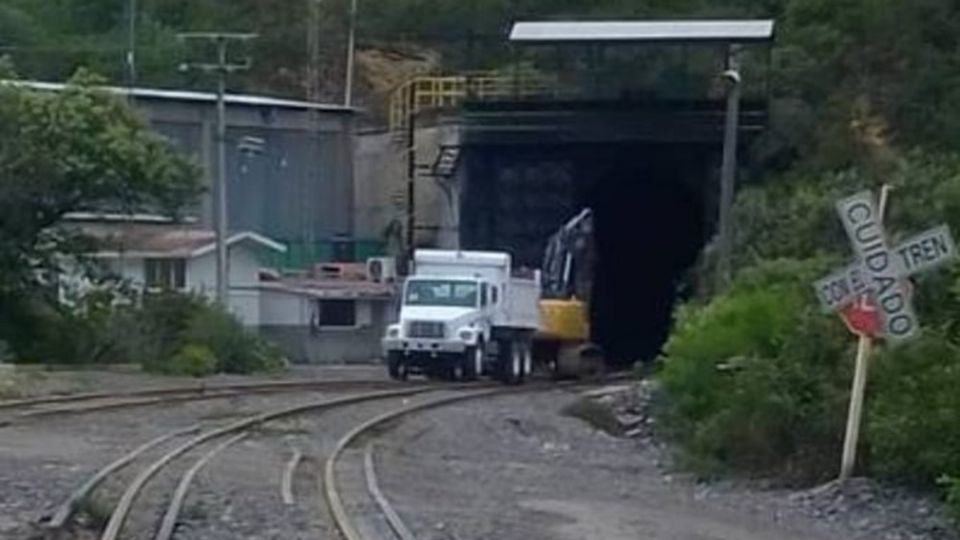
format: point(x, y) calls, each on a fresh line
point(435, 92)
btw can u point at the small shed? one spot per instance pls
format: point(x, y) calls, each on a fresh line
point(327, 320)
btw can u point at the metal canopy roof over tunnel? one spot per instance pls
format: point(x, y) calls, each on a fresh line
point(679, 31)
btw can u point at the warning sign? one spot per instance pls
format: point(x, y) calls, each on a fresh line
point(879, 270)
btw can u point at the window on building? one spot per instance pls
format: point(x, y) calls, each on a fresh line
point(166, 273)
point(334, 313)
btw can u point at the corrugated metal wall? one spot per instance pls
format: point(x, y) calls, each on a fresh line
point(295, 185)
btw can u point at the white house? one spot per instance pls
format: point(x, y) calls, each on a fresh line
point(162, 255)
point(337, 312)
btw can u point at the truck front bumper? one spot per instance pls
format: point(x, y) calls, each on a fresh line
point(419, 347)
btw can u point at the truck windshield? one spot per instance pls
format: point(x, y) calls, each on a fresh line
point(441, 293)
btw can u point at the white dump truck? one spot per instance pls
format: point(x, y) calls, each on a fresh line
point(464, 314)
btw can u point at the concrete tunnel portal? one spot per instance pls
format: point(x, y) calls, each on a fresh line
point(653, 197)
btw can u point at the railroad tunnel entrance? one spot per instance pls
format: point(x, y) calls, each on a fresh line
point(649, 227)
point(648, 169)
point(651, 213)
point(626, 117)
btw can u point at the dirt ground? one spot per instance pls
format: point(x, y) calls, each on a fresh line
point(514, 467)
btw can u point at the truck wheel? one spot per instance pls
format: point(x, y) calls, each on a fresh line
point(457, 371)
point(527, 359)
point(473, 362)
point(396, 367)
point(512, 365)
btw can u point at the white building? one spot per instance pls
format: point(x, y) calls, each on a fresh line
point(334, 313)
point(151, 256)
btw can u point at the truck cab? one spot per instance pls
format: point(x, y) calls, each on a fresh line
point(463, 315)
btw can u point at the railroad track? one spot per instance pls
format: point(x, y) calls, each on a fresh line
point(194, 438)
point(212, 442)
point(345, 524)
point(332, 491)
point(14, 411)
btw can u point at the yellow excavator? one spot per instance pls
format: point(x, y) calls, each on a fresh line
point(563, 340)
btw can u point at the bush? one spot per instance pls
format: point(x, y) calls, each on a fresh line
point(237, 350)
point(40, 330)
point(156, 334)
point(164, 319)
point(914, 410)
point(172, 321)
point(758, 381)
point(952, 487)
point(754, 379)
point(192, 360)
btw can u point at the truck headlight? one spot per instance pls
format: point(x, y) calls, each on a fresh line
point(467, 335)
point(393, 332)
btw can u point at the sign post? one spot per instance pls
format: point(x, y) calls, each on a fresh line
point(863, 320)
point(855, 413)
point(877, 287)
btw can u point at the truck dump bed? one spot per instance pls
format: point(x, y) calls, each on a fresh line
point(521, 304)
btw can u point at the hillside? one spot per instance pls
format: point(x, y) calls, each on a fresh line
point(850, 71)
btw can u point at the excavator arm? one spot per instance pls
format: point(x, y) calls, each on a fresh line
point(567, 281)
point(568, 260)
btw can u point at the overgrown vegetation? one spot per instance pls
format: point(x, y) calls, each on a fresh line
point(753, 378)
point(913, 411)
point(60, 152)
point(168, 332)
point(846, 72)
point(74, 150)
point(758, 378)
point(189, 335)
point(952, 486)
point(78, 149)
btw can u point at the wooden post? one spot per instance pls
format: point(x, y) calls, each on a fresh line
point(858, 391)
point(855, 413)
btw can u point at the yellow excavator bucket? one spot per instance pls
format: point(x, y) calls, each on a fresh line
point(564, 319)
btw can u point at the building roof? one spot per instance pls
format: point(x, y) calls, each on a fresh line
point(141, 240)
point(332, 289)
point(731, 31)
point(116, 217)
point(202, 97)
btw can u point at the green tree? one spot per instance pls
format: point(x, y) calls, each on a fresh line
point(71, 150)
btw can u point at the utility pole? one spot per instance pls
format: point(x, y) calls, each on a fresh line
point(314, 91)
point(411, 172)
point(313, 50)
point(351, 52)
point(728, 169)
point(222, 68)
point(131, 59)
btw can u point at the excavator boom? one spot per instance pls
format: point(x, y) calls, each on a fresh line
point(567, 281)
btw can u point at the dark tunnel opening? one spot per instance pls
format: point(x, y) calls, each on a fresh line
point(649, 227)
point(650, 206)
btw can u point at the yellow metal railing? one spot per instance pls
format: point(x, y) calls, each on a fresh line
point(445, 91)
